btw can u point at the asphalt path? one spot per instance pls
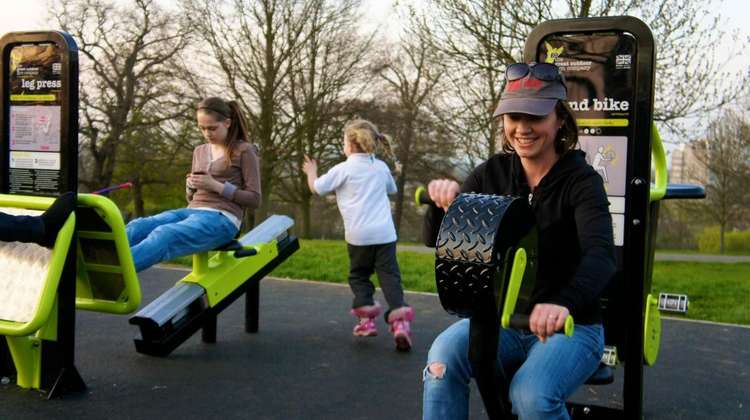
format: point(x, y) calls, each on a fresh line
point(305, 364)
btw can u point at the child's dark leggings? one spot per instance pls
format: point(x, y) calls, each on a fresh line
point(21, 228)
point(381, 259)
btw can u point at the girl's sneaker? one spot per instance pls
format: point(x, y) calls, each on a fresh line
point(366, 325)
point(399, 321)
point(365, 328)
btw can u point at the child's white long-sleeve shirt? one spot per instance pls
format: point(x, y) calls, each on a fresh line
point(362, 184)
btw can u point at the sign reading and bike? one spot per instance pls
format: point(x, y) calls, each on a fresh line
point(599, 71)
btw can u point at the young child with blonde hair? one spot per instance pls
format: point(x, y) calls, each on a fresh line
point(362, 184)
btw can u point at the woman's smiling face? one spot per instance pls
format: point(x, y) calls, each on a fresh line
point(532, 136)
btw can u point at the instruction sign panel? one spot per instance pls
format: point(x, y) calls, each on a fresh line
point(599, 73)
point(34, 129)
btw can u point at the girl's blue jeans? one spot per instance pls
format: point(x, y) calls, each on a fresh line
point(176, 233)
point(543, 375)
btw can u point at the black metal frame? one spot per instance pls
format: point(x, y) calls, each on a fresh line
point(59, 373)
point(640, 215)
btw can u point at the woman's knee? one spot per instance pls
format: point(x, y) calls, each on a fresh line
point(534, 399)
point(435, 370)
point(448, 354)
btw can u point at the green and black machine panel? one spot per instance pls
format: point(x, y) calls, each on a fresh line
point(90, 266)
point(38, 162)
point(486, 247)
point(609, 66)
point(610, 75)
point(485, 270)
point(195, 301)
point(483, 248)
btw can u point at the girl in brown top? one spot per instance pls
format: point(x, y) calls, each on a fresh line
point(224, 180)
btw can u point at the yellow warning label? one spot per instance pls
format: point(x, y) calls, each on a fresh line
point(33, 98)
point(602, 122)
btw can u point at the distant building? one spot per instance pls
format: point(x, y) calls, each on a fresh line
point(687, 164)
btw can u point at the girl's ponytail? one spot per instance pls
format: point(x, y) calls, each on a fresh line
point(385, 142)
point(367, 139)
point(238, 130)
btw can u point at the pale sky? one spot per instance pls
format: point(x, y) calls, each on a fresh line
point(29, 15)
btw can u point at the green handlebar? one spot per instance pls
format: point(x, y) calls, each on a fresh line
point(659, 188)
point(569, 326)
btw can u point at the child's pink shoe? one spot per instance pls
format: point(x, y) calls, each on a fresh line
point(365, 328)
point(366, 325)
point(400, 326)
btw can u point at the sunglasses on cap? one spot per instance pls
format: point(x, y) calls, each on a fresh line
point(540, 71)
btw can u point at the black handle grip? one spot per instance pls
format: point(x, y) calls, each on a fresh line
point(519, 321)
point(245, 253)
point(684, 191)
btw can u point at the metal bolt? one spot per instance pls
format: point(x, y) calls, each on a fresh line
point(636, 222)
point(586, 410)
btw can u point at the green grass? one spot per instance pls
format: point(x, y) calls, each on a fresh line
point(717, 292)
point(328, 261)
point(696, 252)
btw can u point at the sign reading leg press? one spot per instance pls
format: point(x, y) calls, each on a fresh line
point(34, 129)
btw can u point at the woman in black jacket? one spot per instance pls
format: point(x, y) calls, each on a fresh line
point(539, 160)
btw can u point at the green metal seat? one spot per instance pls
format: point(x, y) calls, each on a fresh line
point(32, 319)
point(106, 280)
point(105, 277)
point(36, 319)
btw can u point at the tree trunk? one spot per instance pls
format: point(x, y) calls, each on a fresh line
point(267, 185)
point(138, 206)
point(305, 210)
point(399, 211)
point(248, 221)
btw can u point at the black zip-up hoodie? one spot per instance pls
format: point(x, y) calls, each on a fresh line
point(576, 249)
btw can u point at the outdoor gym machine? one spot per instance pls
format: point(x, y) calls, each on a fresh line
point(90, 266)
point(609, 68)
point(196, 300)
point(38, 161)
point(485, 268)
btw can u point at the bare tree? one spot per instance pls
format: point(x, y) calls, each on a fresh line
point(325, 74)
point(253, 44)
point(413, 75)
point(476, 39)
point(480, 37)
point(128, 82)
point(690, 79)
point(726, 155)
point(156, 163)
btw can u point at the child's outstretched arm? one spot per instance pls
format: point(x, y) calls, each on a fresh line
point(310, 168)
